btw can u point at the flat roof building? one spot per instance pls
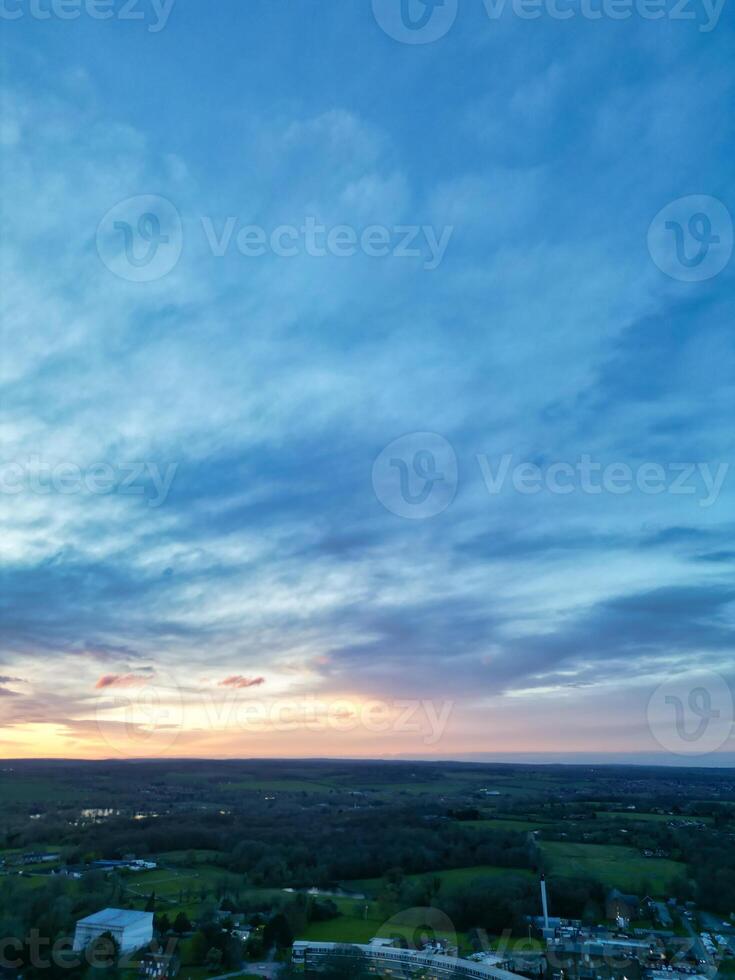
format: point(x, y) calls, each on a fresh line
point(397, 961)
point(131, 930)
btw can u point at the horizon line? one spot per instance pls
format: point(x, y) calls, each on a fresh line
point(571, 760)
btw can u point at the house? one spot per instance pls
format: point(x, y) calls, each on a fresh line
point(131, 930)
point(39, 858)
point(158, 966)
point(620, 906)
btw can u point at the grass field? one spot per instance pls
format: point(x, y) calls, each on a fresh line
point(621, 867)
point(502, 824)
point(177, 890)
point(456, 877)
point(360, 922)
point(188, 858)
point(632, 815)
point(277, 786)
point(33, 790)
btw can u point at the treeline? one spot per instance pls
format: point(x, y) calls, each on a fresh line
point(302, 848)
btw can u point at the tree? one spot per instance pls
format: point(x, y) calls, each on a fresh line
point(182, 923)
point(198, 948)
point(254, 948)
point(103, 952)
point(323, 909)
point(163, 924)
point(213, 959)
point(277, 932)
point(345, 963)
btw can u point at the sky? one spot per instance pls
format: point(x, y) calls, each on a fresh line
point(367, 379)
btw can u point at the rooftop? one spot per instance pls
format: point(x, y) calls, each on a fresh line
point(117, 918)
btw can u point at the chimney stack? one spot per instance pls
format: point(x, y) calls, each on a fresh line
point(544, 902)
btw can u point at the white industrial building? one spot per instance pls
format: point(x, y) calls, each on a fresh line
point(131, 930)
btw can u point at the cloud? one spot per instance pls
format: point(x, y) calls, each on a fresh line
point(121, 680)
point(274, 383)
point(238, 681)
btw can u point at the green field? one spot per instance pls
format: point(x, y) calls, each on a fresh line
point(34, 790)
point(502, 824)
point(188, 858)
point(177, 890)
point(277, 786)
point(650, 817)
point(455, 877)
point(620, 867)
point(633, 815)
point(361, 921)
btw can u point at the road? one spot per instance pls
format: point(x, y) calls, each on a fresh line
point(265, 969)
point(698, 946)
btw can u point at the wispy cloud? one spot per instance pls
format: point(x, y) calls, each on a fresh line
point(238, 681)
point(272, 384)
point(121, 680)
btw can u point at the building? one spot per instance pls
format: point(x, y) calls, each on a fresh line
point(396, 962)
point(604, 947)
point(131, 930)
point(127, 864)
point(40, 858)
point(158, 966)
point(620, 906)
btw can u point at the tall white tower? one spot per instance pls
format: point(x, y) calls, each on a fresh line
point(544, 902)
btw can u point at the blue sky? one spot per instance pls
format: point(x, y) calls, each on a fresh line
point(203, 453)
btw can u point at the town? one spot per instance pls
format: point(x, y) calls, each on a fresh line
point(382, 869)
